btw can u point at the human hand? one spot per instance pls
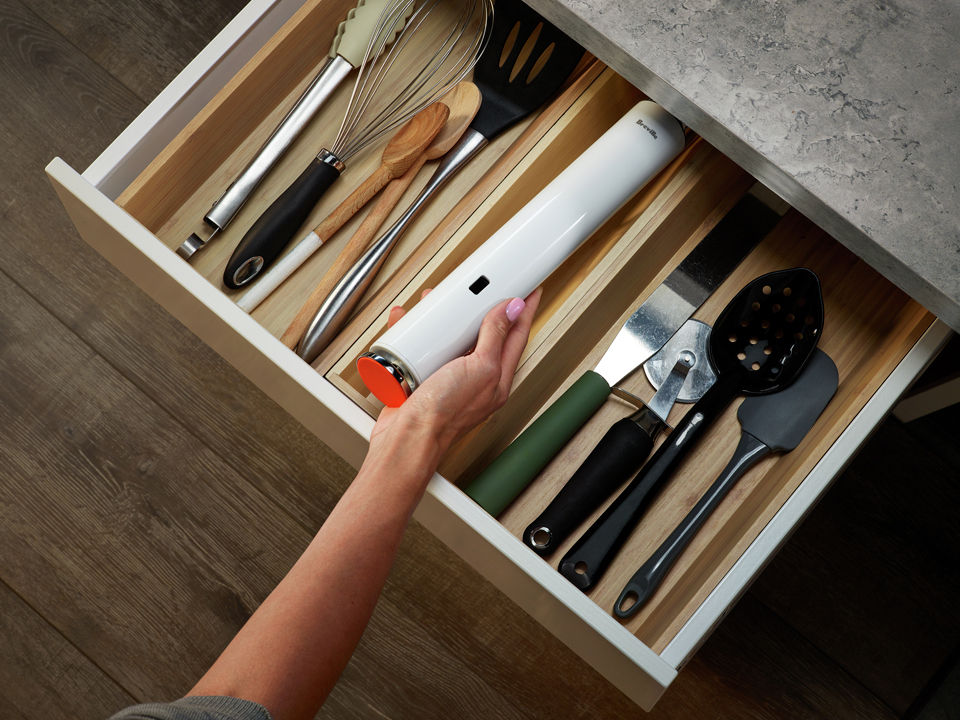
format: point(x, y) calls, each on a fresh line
point(467, 390)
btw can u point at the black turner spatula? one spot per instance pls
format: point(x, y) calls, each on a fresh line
point(525, 62)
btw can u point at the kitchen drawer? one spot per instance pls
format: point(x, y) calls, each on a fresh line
point(151, 187)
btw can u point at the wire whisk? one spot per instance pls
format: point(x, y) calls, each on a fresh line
point(418, 51)
point(371, 114)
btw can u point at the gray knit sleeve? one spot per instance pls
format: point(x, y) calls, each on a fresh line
point(196, 708)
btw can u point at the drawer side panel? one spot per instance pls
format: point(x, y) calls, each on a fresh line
point(207, 312)
point(155, 127)
point(807, 495)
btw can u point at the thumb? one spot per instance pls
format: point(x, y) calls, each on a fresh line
point(495, 328)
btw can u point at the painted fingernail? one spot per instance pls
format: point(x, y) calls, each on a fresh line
point(514, 308)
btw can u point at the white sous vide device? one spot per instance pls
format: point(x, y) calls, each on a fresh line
point(522, 253)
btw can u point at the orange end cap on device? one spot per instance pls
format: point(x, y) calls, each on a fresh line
point(381, 381)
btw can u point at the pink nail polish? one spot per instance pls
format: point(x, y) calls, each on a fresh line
point(514, 308)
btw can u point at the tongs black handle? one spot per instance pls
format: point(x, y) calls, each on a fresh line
point(620, 452)
point(593, 552)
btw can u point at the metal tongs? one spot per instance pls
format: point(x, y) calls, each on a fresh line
point(346, 54)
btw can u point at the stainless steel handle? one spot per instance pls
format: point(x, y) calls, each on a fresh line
point(322, 86)
point(336, 308)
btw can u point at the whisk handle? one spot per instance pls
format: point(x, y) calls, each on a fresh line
point(274, 229)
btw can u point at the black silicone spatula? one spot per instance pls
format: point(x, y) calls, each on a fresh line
point(769, 424)
point(759, 345)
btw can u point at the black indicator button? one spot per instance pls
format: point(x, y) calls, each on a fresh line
point(479, 284)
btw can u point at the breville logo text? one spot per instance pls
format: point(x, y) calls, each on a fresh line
point(646, 127)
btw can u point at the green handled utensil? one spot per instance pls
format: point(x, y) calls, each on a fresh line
point(535, 447)
point(642, 335)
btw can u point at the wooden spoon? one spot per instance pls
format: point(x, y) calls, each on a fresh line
point(464, 102)
point(405, 149)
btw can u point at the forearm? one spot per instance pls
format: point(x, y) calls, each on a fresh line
point(292, 650)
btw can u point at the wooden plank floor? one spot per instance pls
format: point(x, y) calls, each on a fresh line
point(147, 505)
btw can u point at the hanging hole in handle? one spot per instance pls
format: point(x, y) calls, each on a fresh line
point(248, 271)
point(580, 568)
point(628, 603)
point(541, 537)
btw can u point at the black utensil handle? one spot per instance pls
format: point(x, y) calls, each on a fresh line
point(645, 581)
point(621, 450)
point(592, 553)
point(274, 229)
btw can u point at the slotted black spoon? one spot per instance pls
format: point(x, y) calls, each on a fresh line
point(759, 344)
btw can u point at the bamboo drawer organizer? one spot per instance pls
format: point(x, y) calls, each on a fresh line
point(869, 325)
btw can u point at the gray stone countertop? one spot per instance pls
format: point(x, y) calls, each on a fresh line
point(849, 109)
